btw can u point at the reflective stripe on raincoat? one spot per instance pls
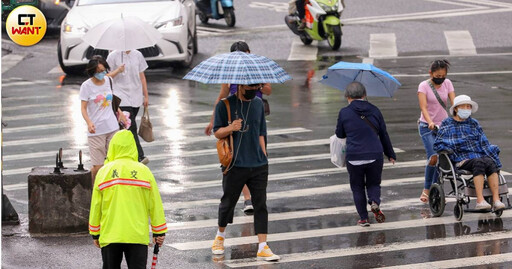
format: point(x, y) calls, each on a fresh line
point(125, 196)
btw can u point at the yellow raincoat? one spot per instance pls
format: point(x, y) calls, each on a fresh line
point(125, 195)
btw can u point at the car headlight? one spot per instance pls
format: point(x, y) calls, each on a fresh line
point(170, 23)
point(70, 28)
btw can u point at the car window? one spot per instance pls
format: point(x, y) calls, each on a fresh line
point(99, 2)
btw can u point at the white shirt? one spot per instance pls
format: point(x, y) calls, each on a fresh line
point(99, 106)
point(128, 84)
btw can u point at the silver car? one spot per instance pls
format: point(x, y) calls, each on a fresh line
point(174, 19)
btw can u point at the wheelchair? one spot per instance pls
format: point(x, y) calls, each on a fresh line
point(458, 184)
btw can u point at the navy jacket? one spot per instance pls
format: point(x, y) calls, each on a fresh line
point(363, 143)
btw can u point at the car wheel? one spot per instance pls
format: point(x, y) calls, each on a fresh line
point(70, 70)
point(229, 16)
point(190, 51)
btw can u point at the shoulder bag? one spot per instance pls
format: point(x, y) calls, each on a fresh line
point(225, 145)
point(116, 101)
point(146, 128)
point(437, 96)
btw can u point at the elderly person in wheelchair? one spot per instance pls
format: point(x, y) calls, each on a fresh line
point(463, 137)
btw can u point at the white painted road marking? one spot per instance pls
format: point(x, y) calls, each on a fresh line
point(382, 45)
point(373, 249)
point(460, 43)
point(194, 245)
point(301, 52)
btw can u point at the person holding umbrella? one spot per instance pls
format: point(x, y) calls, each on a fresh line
point(250, 164)
point(362, 124)
point(225, 90)
point(131, 87)
point(124, 195)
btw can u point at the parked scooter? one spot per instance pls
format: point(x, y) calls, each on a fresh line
point(322, 22)
point(216, 9)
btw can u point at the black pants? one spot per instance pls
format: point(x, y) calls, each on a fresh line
point(480, 166)
point(365, 181)
point(133, 128)
point(136, 255)
point(256, 179)
point(300, 8)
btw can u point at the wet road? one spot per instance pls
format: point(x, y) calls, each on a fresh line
point(312, 218)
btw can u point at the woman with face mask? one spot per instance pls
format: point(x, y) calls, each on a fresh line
point(96, 106)
point(433, 95)
point(471, 151)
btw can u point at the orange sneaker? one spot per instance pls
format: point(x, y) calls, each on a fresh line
point(267, 255)
point(218, 246)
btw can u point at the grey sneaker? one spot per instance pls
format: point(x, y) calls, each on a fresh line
point(144, 160)
point(483, 206)
point(248, 209)
point(498, 205)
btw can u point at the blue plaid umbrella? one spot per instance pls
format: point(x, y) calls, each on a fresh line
point(238, 68)
point(376, 81)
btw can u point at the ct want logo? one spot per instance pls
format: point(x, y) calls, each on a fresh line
point(26, 25)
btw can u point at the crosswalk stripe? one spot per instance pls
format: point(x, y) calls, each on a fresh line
point(24, 98)
point(293, 193)
point(382, 45)
point(371, 249)
point(459, 263)
point(159, 142)
point(291, 215)
point(298, 174)
point(460, 43)
point(33, 116)
point(24, 83)
point(56, 70)
point(14, 108)
point(194, 245)
point(11, 60)
point(301, 52)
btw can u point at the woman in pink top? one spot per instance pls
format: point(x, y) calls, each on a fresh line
point(433, 112)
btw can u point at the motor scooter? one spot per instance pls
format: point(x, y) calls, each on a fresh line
point(217, 9)
point(322, 22)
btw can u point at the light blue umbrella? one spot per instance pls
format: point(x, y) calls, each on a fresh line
point(238, 68)
point(377, 82)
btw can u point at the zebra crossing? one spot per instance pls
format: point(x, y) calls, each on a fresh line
point(309, 200)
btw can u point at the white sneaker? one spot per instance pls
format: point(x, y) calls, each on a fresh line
point(267, 255)
point(483, 206)
point(498, 205)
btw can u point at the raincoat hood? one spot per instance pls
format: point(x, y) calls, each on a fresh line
point(122, 146)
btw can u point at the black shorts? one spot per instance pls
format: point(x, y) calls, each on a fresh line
point(480, 166)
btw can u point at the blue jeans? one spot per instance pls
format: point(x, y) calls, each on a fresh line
point(365, 181)
point(428, 136)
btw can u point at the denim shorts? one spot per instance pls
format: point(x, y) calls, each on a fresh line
point(427, 136)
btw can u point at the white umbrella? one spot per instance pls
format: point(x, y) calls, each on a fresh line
point(122, 34)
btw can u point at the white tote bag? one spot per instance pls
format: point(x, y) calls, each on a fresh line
point(338, 148)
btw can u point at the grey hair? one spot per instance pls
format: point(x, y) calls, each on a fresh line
point(355, 90)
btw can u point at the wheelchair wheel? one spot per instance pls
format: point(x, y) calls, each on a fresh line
point(458, 211)
point(498, 213)
point(436, 200)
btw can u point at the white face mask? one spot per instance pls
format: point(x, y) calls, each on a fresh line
point(464, 113)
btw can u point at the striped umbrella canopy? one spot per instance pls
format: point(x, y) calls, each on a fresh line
point(238, 68)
